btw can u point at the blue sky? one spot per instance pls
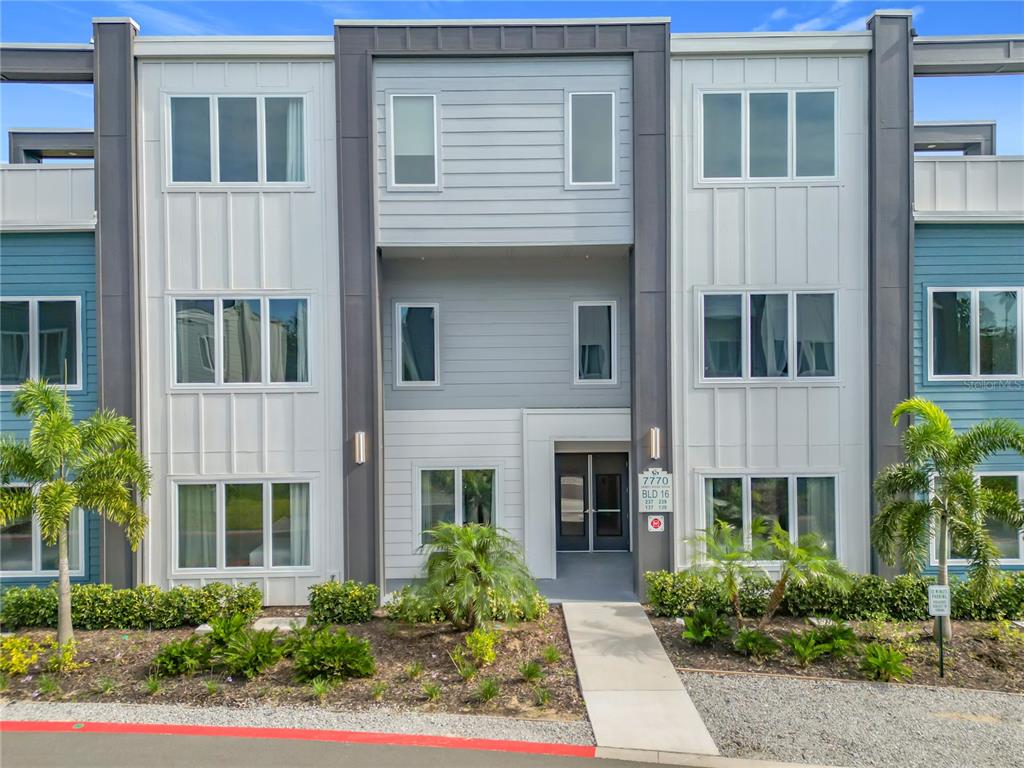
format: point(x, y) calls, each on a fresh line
point(70, 106)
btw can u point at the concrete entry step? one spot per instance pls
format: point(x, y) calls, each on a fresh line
point(634, 698)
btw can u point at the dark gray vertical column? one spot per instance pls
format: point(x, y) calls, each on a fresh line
point(116, 246)
point(891, 190)
point(360, 325)
point(649, 329)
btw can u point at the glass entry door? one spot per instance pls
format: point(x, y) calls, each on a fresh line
point(592, 502)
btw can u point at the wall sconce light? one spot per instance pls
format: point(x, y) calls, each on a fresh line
point(654, 443)
point(359, 447)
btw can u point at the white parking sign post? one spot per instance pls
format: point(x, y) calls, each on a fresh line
point(938, 606)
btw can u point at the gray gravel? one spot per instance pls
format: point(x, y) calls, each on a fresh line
point(859, 724)
point(379, 720)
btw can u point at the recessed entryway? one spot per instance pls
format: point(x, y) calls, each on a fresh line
point(592, 502)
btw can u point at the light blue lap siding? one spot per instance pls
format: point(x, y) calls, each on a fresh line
point(967, 256)
point(56, 264)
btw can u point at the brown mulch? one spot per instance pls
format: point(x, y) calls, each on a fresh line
point(123, 658)
point(974, 659)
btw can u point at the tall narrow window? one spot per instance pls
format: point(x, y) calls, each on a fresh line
point(769, 134)
point(49, 554)
point(197, 526)
point(769, 334)
point(413, 140)
point(723, 497)
point(190, 138)
point(723, 135)
point(15, 342)
point(815, 334)
point(592, 138)
point(238, 141)
point(288, 336)
point(478, 496)
point(242, 343)
point(1006, 538)
point(816, 508)
point(997, 333)
point(723, 336)
point(437, 498)
point(416, 344)
point(951, 333)
point(815, 133)
point(58, 341)
point(289, 524)
point(285, 138)
point(769, 502)
point(243, 525)
point(196, 342)
point(595, 339)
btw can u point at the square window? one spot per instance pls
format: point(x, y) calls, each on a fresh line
point(417, 344)
point(595, 339)
point(723, 336)
point(815, 334)
point(414, 140)
point(592, 138)
point(40, 339)
point(236, 127)
point(769, 335)
point(722, 135)
point(190, 138)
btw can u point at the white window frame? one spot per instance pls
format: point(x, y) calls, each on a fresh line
point(457, 467)
point(745, 379)
point(975, 339)
point(576, 380)
point(744, 92)
point(394, 185)
point(37, 548)
point(933, 551)
point(261, 143)
point(397, 353)
point(745, 476)
point(218, 382)
point(614, 181)
point(33, 339)
point(219, 483)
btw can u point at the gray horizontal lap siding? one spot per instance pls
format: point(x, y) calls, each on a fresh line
point(502, 153)
point(506, 332)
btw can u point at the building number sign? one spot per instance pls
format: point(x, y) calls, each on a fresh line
point(655, 492)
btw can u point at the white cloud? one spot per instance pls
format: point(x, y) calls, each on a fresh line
point(189, 20)
point(775, 16)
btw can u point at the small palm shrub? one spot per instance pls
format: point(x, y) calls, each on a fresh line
point(487, 689)
point(802, 562)
point(885, 663)
point(807, 646)
point(704, 626)
point(839, 637)
point(181, 657)
point(333, 655)
point(755, 644)
point(224, 629)
point(342, 602)
point(480, 644)
point(251, 651)
point(471, 568)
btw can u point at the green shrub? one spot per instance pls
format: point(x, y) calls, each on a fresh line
point(1007, 601)
point(838, 636)
point(249, 652)
point(551, 654)
point(333, 654)
point(705, 625)
point(432, 691)
point(907, 598)
point(412, 607)
point(465, 667)
point(682, 592)
point(882, 662)
point(754, 593)
point(755, 644)
point(18, 654)
point(530, 671)
point(342, 602)
point(63, 658)
point(488, 688)
point(806, 646)
point(181, 657)
point(100, 606)
point(320, 688)
point(480, 644)
point(224, 629)
point(414, 670)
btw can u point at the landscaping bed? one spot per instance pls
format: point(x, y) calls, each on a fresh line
point(120, 668)
point(983, 655)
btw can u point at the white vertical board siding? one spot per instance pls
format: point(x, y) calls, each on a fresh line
point(47, 196)
point(506, 329)
point(446, 438)
point(765, 235)
point(988, 187)
point(213, 241)
point(502, 151)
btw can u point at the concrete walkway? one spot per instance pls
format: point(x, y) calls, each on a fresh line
point(634, 697)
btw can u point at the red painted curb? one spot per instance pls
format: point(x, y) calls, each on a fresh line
point(302, 734)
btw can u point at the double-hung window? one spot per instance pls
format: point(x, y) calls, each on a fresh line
point(41, 338)
point(460, 495)
point(23, 552)
point(242, 340)
point(413, 140)
point(1009, 541)
point(245, 524)
point(591, 140)
point(417, 348)
point(594, 335)
point(799, 504)
point(975, 333)
point(238, 139)
point(768, 134)
point(768, 335)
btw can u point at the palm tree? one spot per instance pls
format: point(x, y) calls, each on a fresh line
point(935, 490)
point(728, 561)
point(807, 559)
point(94, 464)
